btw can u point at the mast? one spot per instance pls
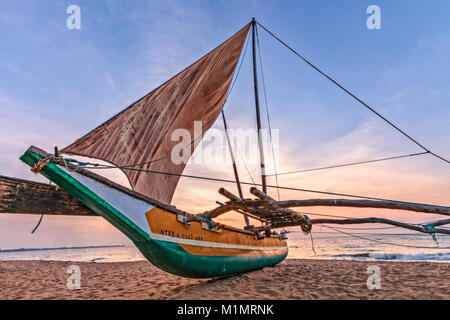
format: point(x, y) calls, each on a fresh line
point(258, 115)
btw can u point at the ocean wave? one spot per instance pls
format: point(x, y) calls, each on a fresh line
point(60, 248)
point(439, 256)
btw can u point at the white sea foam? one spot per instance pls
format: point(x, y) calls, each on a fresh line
point(439, 256)
point(392, 247)
point(86, 254)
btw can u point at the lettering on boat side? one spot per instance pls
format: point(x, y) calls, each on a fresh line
point(74, 280)
point(230, 309)
point(374, 280)
point(181, 235)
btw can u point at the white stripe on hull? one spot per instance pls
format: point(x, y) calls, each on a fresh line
point(211, 244)
point(132, 208)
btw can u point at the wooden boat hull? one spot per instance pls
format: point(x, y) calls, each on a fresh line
point(193, 251)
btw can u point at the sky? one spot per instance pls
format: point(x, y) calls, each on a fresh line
point(56, 84)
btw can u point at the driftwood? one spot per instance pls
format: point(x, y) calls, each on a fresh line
point(29, 197)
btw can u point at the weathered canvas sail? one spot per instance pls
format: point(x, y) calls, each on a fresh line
point(142, 132)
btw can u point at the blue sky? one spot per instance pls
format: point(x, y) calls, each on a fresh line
point(57, 84)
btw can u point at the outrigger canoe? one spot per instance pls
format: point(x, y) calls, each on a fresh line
point(160, 232)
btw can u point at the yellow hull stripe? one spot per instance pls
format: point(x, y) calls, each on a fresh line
point(196, 240)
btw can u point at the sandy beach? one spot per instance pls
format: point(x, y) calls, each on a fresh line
point(292, 279)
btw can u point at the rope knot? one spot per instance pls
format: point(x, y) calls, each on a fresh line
point(41, 164)
point(306, 226)
point(431, 229)
point(208, 220)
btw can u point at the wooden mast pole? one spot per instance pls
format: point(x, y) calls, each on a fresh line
point(236, 174)
point(258, 115)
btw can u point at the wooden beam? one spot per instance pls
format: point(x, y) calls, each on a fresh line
point(29, 197)
point(419, 228)
point(224, 208)
point(229, 195)
point(398, 205)
point(440, 222)
point(288, 212)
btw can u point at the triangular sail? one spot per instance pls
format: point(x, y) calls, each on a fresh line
point(142, 132)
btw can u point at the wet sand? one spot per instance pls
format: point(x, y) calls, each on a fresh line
point(292, 279)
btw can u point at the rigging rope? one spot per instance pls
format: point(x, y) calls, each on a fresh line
point(353, 96)
point(38, 224)
point(351, 164)
point(96, 166)
point(243, 161)
point(382, 242)
point(312, 243)
point(231, 88)
point(246, 183)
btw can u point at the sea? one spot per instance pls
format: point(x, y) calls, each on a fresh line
point(358, 246)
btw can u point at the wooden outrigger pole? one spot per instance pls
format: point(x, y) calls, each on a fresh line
point(354, 203)
point(29, 197)
point(278, 214)
point(267, 201)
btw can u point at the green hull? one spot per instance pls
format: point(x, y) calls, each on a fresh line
point(168, 256)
